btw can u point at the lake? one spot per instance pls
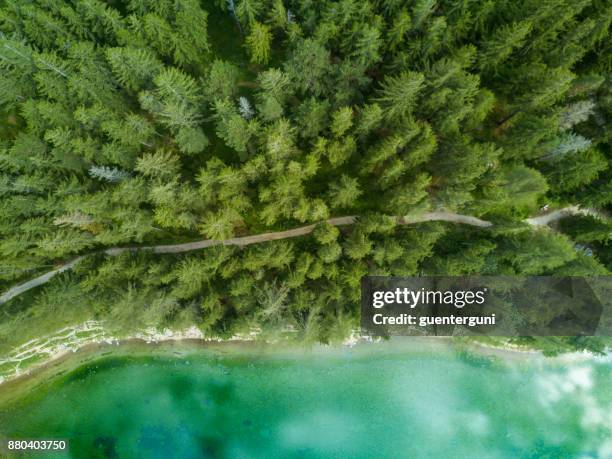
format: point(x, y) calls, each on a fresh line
point(412, 400)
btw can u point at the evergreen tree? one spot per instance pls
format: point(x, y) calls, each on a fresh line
point(161, 164)
point(259, 43)
point(503, 42)
point(398, 94)
point(133, 124)
point(344, 192)
point(109, 174)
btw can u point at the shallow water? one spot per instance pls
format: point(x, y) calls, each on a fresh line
point(376, 401)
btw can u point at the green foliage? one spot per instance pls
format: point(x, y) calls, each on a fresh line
point(516, 187)
point(248, 10)
point(161, 164)
point(575, 172)
point(222, 80)
point(134, 68)
point(587, 228)
point(147, 123)
point(309, 67)
point(398, 94)
point(259, 43)
point(358, 245)
point(326, 233)
point(536, 252)
point(344, 192)
point(503, 42)
point(341, 121)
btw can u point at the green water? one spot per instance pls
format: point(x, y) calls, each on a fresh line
point(365, 402)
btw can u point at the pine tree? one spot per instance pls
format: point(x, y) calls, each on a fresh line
point(398, 94)
point(369, 119)
point(312, 117)
point(309, 67)
point(344, 192)
point(503, 42)
point(191, 140)
point(401, 200)
point(576, 113)
point(245, 109)
point(134, 68)
point(273, 301)
point(537, 251)
point(587, 228)
point(342, 120)
point(357, 246)
point(220, 225)
point(109, 174)
point(399, 29)
point(340, 151)
point(161, 164)
point(518, 186)
point(421, 12)
point(191, 40)
point(575, 171)
point(368, 44)
point(75, 219)
point(222, 80)
point(275, 88)
point(329, 253)
point(567, 144)
point(247, 11)
point(62, 243)
point(259, 42)
point(325, 233)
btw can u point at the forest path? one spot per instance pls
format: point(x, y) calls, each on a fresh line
point(452, 217)
point(548, 218)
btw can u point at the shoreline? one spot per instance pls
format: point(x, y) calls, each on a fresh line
point(68, 360)
point(182, 343)
point(45, 350)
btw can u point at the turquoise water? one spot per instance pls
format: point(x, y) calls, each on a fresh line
point(366, 402)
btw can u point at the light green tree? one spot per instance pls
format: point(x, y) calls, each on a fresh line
point(259, 43)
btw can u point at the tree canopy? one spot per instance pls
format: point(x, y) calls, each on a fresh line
point(166, 121)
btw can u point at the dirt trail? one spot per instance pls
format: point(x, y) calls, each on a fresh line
point(452, 217)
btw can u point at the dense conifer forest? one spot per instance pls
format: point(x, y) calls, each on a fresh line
point(129, 123)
